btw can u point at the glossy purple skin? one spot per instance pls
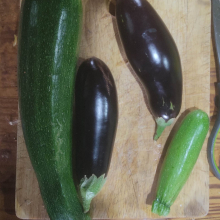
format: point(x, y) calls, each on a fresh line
point(96, 111)
point(153, 55)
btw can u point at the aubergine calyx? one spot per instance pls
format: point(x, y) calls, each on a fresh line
point(89, 188)
point(161, 125)
point(160, 208)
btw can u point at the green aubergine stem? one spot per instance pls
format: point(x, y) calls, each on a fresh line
point(161, 125)
point(89, 188)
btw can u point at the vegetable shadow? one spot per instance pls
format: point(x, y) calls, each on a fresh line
point(152, 195)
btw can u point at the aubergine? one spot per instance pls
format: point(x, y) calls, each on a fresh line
point(96, 111)
point(153, 55)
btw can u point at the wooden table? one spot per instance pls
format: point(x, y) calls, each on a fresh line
point(8, 115)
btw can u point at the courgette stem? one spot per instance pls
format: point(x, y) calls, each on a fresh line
point(160, 208)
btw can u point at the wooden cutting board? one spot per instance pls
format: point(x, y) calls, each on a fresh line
point(136, 160)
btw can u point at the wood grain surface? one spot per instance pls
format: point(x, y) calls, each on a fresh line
point(8, 116)
point(132, 178)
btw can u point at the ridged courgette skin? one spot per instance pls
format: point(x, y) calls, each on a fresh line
point(180, 159)
point(49, 35)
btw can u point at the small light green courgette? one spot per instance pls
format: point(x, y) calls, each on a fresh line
point(180, 159)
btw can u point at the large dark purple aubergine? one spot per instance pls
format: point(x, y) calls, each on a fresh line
point(154, 57)
point(96, 118)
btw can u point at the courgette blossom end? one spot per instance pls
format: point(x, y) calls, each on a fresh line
point(160, 208)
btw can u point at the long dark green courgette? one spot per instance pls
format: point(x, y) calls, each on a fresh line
point(49, 35)
point(180, 159)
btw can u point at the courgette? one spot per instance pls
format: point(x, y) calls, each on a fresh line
point(180, 159)
point(49, 34)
